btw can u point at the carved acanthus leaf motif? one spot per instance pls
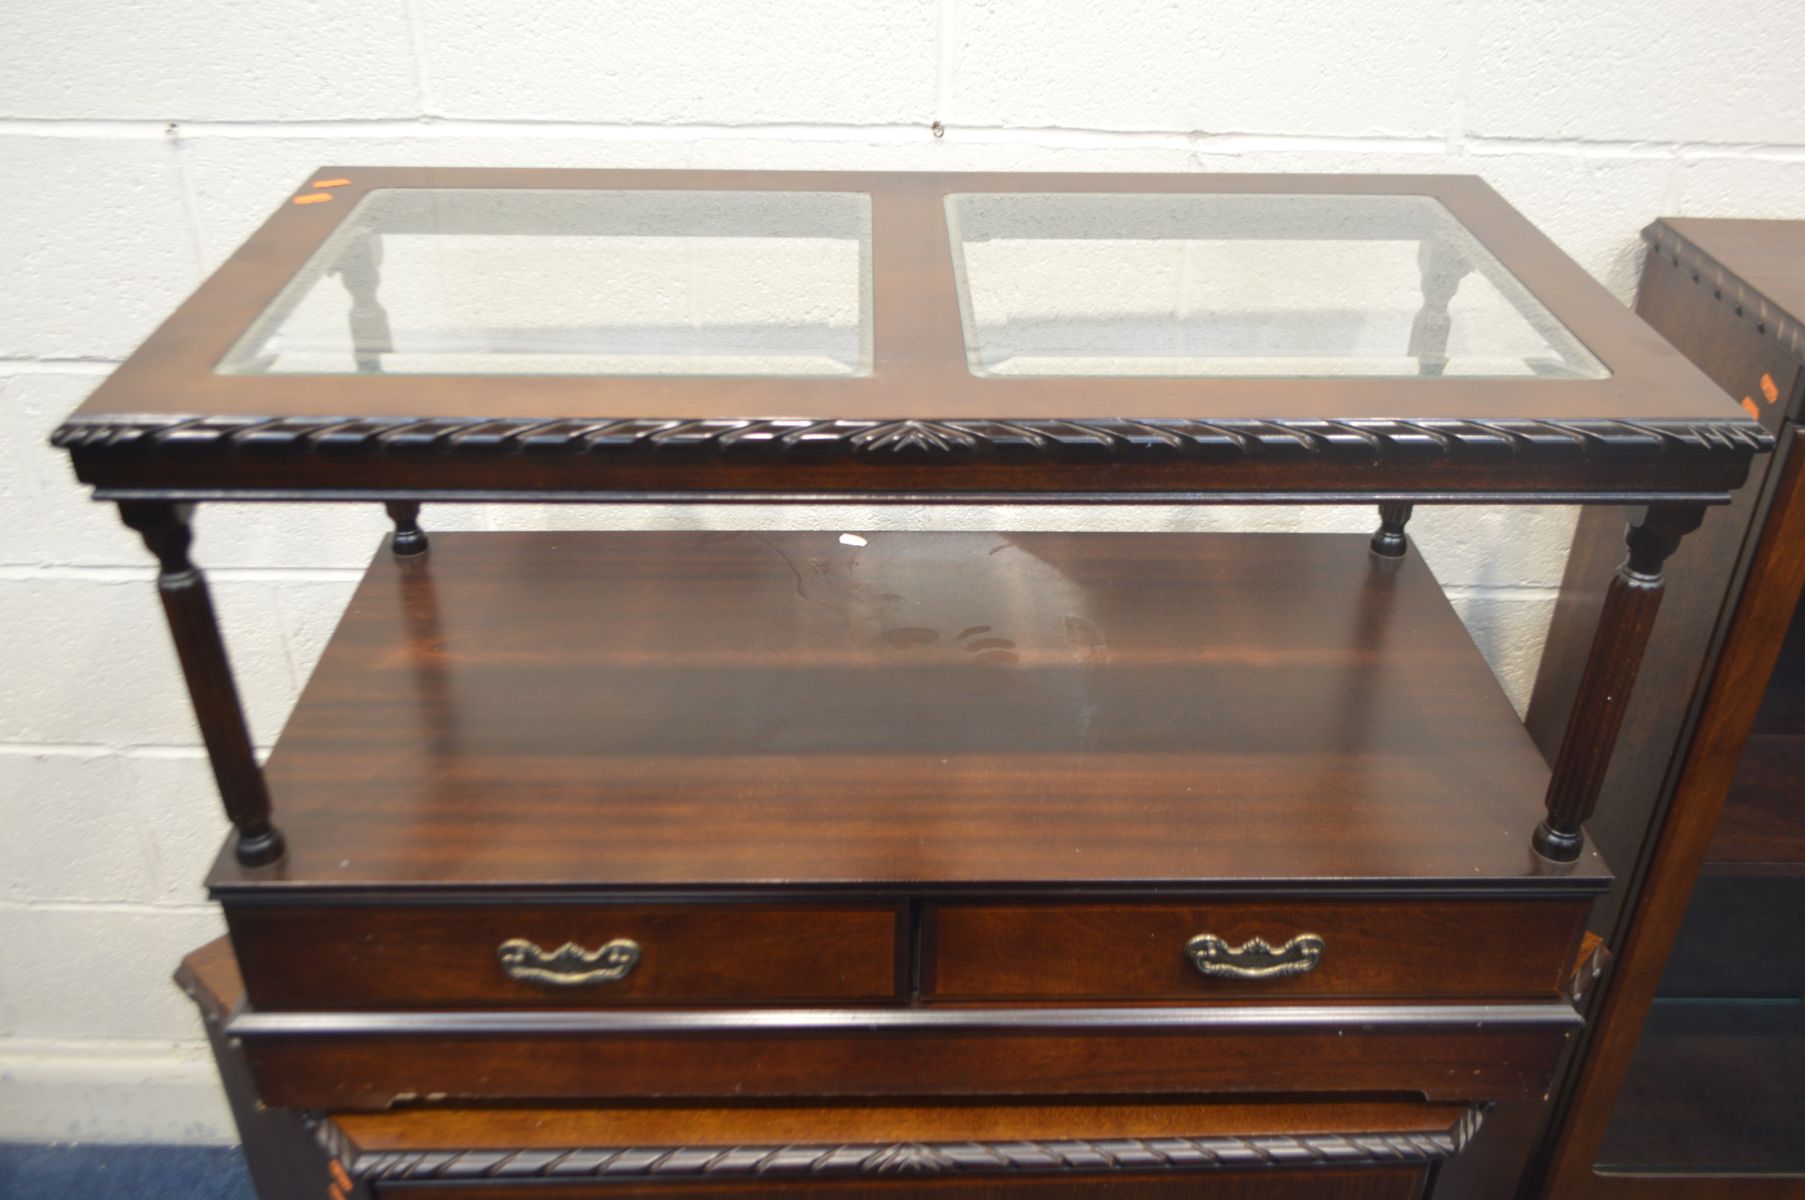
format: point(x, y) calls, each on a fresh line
point(917, 437)
point(908, 1157)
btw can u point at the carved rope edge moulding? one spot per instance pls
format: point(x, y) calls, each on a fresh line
point(800, 438)
point(1069, 1155)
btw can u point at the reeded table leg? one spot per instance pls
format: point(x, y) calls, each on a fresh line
point(1610, 672)
point(164, 527)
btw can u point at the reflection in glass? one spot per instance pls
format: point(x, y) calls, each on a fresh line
point(575, 282)
point(1717, 1083)
point(1242, 285)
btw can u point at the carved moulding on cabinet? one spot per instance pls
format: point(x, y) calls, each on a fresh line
point(863, 1159)
point(1749, 305)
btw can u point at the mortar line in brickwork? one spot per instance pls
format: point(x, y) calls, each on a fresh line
point(1500, 591)
point(129, 573)
point(427, 128)
point(1496, 145)
point(422, 78)
point(133, 573)
point(1469, 54)
point(943, 59)
point(21, 1047)
point(126, 750)
point(188, 908)
point(190, 208)
point(149, 751)
point(14, 365)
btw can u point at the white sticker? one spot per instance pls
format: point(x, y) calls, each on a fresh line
point(852, 539)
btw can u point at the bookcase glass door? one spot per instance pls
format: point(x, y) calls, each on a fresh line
point(1717, 1084)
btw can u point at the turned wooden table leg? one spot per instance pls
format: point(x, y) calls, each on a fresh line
point(360, 269)
point(409, 538)
point(1389, 540)
point(164, 527)
point(1442, 267)
point(1624, 624)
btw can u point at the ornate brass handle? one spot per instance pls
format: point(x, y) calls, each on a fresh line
point(569, 965)
point(1254, 959)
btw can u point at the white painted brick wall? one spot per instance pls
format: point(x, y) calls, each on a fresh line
point(811, 62)
point(142, 142)
point(1258, 68)
point(276, 60)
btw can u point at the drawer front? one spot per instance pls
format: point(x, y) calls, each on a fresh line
point(1309, 1183)
point(582, 1056)
point(1376, 950)
point(514, 956)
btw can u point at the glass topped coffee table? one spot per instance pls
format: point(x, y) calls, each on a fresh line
point(910, 802)
point(616, 333)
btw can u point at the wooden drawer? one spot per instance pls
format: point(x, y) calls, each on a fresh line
point(333, 956)
point(367, 1060)
point(1372, 950)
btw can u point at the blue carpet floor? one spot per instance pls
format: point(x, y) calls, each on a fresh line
point(98, 1172)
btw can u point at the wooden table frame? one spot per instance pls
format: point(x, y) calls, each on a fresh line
point(166, 431)
point(921, 425)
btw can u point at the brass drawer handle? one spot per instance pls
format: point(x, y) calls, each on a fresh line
point(569, 965)
point(1254, 959)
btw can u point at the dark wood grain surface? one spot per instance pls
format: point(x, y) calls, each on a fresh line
point(1606, 685)
point(1372, 949)
point(302, 956)
point(1716, 1087)
point(210, 977)
point(364, 1063)
point(188, 607)
point(1085, 1146)
point(1741, 938)
point(1763, 819)
point(285, 1158)
point(941, 711)
point(475, 1128)
point(1783, 704)
point(1767, 257)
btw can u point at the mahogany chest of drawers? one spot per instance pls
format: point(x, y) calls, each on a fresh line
point(850, 862)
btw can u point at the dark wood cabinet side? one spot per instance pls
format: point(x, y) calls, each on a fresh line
point(1751, 364)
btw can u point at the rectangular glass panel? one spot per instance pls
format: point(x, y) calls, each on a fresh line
point(515, 281)
point(1717, 1084)
point(1242, 285)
